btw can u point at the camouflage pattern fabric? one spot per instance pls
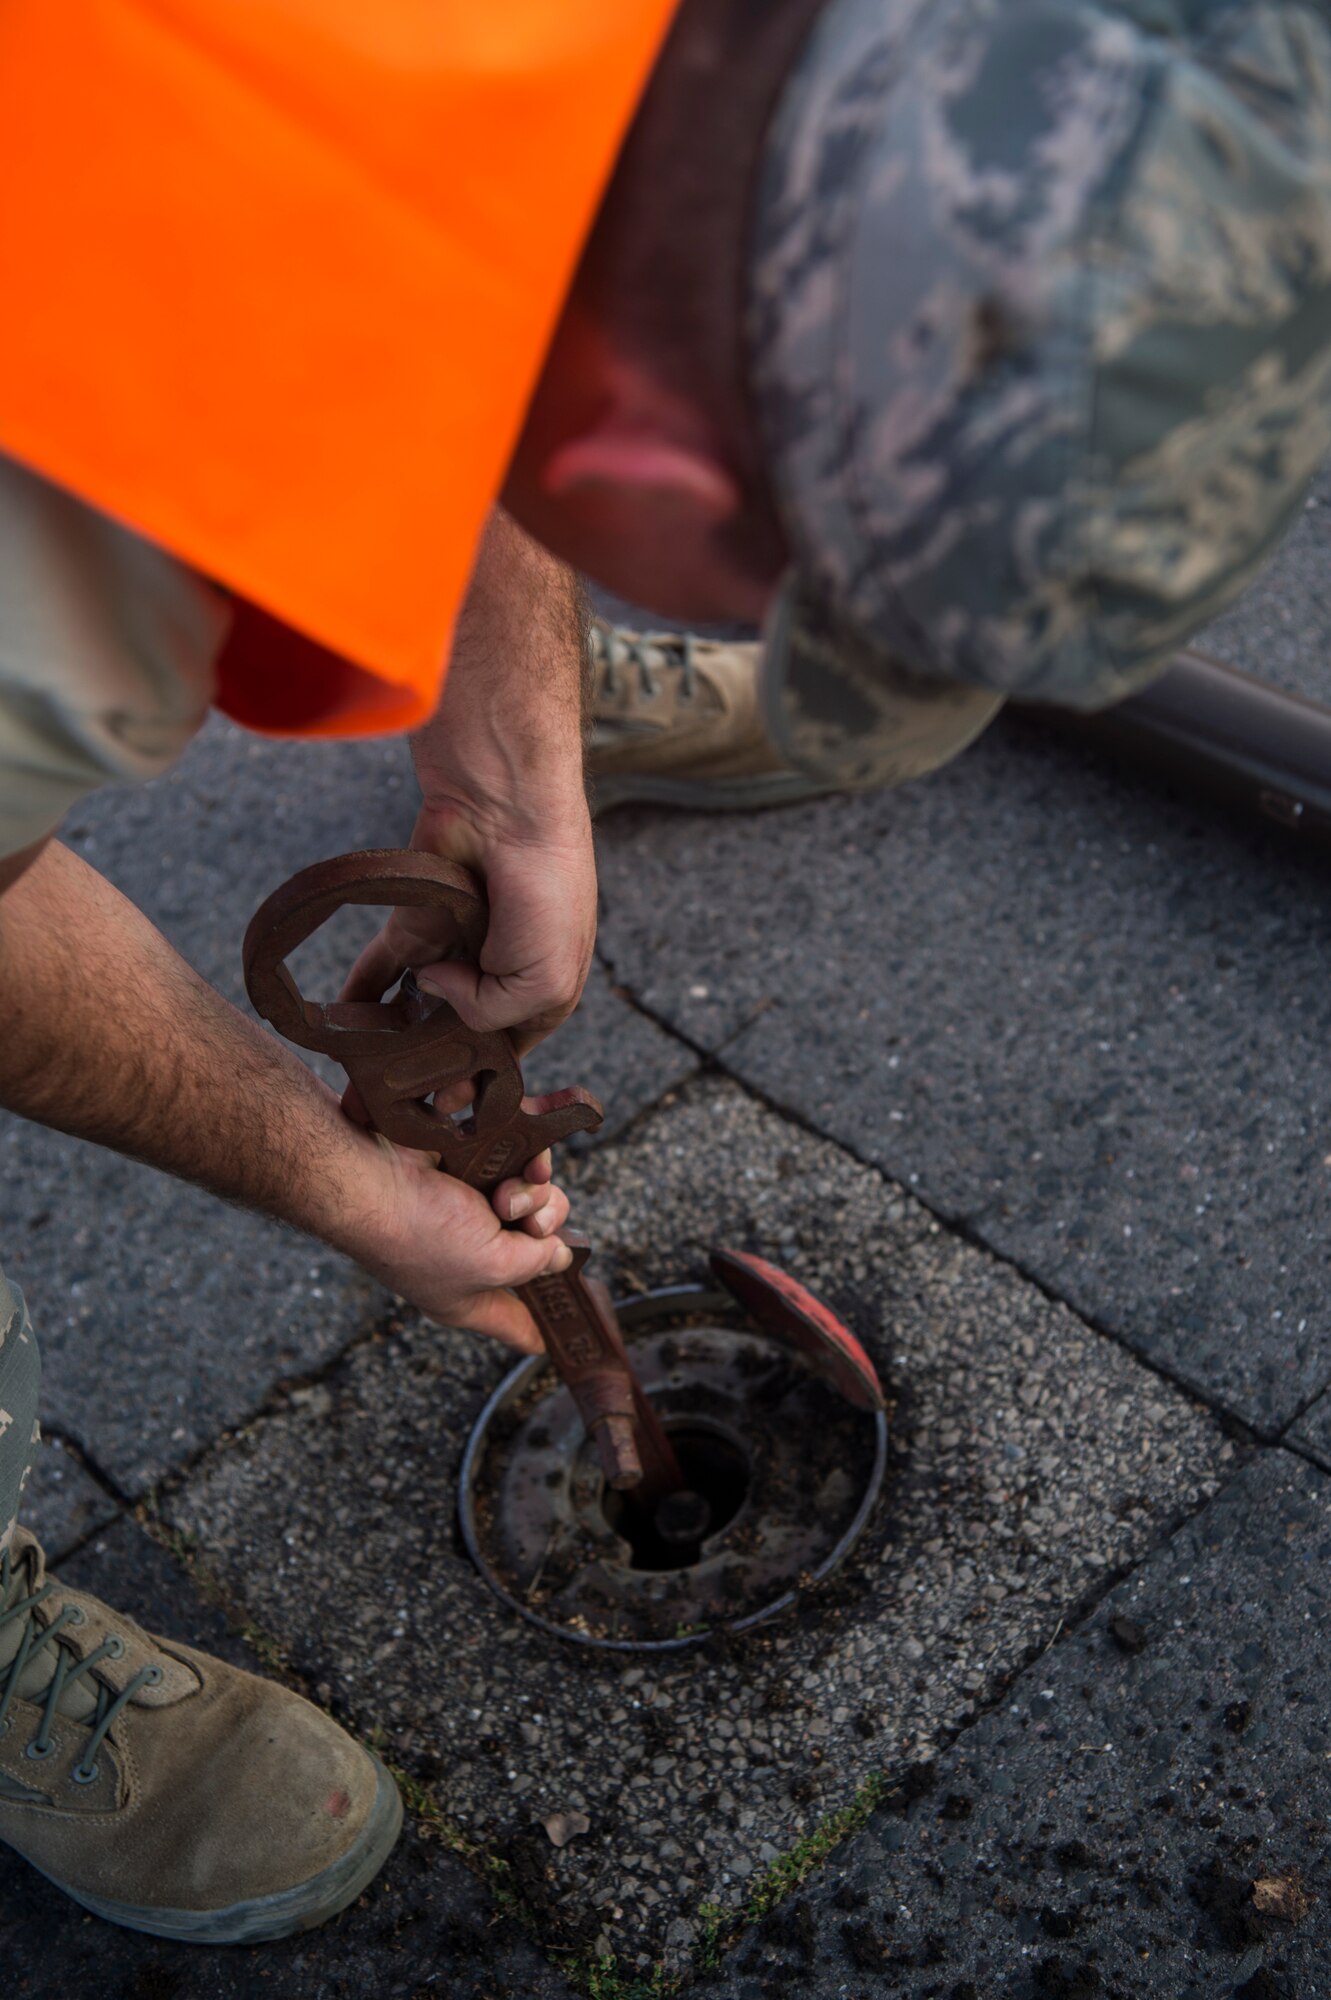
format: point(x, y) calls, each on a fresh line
point(1041, 336)
point(20, 1380)
point(842, 709)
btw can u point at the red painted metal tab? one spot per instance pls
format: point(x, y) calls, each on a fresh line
point(783, 1308)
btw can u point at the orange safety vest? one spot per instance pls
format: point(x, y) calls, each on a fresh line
point(279, 279)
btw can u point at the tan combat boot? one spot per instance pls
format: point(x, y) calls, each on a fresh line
point(166, 1791)
point(675, 721)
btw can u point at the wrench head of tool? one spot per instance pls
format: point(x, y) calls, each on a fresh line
point(400, 1052)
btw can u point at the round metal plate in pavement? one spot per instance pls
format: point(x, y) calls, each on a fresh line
point(783, 1476)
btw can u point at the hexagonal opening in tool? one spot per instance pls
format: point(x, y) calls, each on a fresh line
point(782, 1476)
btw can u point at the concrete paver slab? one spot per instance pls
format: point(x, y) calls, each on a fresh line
point(62, 1503)
point(164, 1316)
point(425, 1926)
point(1086, 1018)
point(1145, 1814)
point(1032, 1458)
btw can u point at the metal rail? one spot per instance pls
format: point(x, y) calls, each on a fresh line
point(1210, 727)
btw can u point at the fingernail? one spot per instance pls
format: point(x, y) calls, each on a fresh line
point(430, 986)
point(563, 1258)
point(520, 1204)
point(545, 1222)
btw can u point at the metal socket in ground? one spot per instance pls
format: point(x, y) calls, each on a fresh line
point(784, 1474)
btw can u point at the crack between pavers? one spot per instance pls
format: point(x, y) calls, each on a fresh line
point(1308, 1452)
point(123, 1504)
point(79, 1452)
point(705, 1054)
point(1300, 1412)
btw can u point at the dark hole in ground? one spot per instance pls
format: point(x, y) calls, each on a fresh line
point(717, 1471)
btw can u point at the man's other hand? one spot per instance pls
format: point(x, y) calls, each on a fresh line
point(444, 1247)
point(541, 882)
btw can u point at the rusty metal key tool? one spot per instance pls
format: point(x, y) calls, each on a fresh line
point(397, 1054)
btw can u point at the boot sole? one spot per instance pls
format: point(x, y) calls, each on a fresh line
point(777, 788)
point(265, 1918)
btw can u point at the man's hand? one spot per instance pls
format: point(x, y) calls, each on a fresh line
point(501, 773)
point(109, 1035)
point(443, 1246)
point(542, 891)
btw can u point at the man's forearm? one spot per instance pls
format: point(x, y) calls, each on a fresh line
point(109, 1035)
point(506, 741)
point(501, 773)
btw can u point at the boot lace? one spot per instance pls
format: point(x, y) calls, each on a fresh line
point(617, 648)
point(16, 1607)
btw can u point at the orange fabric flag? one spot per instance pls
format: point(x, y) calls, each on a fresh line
point(279, 278)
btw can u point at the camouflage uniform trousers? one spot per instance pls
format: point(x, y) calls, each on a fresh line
point(20, 1381)
point(1040, 324)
